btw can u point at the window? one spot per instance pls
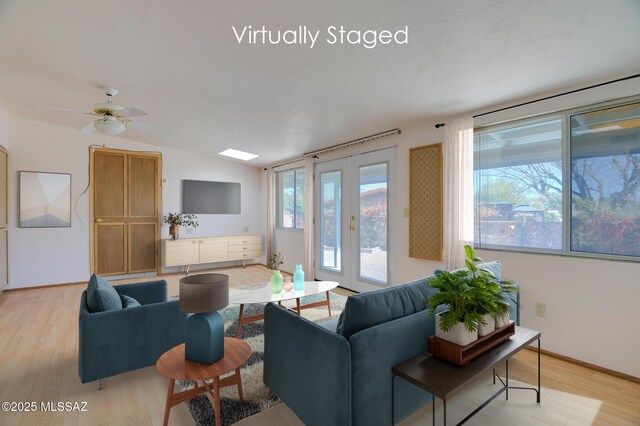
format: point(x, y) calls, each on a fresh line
point(605, 181)
point(290, 199)
point(521, 192)
point(518, 185)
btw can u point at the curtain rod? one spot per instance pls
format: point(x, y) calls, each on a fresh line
point(351, 143)
point(550, 97)
point(286, 163)
point(314, 154)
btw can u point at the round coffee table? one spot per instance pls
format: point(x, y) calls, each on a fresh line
point(261, 293)
point(174, 366)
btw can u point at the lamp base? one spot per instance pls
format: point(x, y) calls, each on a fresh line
point(204, 338)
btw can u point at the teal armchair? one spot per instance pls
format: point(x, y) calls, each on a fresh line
point(122, 340)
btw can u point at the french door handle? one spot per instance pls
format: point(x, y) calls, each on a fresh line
point(99, 220)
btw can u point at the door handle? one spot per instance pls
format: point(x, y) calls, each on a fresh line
point(352, 227)
point(99, 220)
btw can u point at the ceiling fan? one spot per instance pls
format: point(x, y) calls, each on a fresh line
point(112, 119)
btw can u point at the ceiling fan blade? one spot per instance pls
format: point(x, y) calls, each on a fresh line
point(154, 131)
point(131, 112)
point(87, 129)
point(58, 108)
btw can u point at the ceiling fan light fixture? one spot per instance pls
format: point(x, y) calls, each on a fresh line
point(109, 126)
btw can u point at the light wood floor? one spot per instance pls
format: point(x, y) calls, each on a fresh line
point(38, 362)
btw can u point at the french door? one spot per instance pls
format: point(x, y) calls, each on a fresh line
point(355, 220)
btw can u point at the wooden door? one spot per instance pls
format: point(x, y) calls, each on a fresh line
point(126, 206)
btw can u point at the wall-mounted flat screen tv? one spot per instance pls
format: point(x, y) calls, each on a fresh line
point(206, 197)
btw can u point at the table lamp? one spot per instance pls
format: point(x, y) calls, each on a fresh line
point(204, 295)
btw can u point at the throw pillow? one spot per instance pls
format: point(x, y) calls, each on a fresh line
point(340, 323)
point(129, 302)
point(101, 296)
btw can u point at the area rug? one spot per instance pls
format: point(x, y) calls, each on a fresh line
point(257, 396)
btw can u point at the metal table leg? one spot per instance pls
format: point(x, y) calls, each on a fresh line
point(444, 409)
point(433, 409)
point(393, 400)
point(538, 399)
point(507, 378)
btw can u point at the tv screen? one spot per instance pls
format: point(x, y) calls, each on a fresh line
point(205, 197)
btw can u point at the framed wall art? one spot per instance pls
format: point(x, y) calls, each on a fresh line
point(45, 200)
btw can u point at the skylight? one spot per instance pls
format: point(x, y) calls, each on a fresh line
point(240, 155)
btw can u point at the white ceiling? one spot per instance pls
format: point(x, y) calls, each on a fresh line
point(180, 62)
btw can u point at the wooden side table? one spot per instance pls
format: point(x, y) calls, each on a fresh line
point(174, 366)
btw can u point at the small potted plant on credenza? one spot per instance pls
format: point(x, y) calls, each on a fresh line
point(176, 220)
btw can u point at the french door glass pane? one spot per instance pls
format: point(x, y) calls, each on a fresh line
point(330, 226)
point(373, 181)
point(299, 207)
point(605, 181)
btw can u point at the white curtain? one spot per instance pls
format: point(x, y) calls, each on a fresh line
point(270, 216)
point(309, 270)
point(458, 191)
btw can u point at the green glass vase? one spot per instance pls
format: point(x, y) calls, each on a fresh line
point(276, 281)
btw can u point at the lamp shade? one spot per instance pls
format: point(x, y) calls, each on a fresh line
point(204, 293)
point(109, 126)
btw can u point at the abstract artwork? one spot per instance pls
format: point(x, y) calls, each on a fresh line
point(45, 200)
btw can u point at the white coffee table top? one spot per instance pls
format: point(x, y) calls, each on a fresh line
point(261, 292)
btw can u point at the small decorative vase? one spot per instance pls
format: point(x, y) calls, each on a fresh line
point(174, 231)
point(276, 281)
point(298, 278)
point(287, 285)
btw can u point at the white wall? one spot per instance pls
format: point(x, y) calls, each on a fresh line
point(4, 128)
point(41, 256)
point(290, 243)
point(592, 305)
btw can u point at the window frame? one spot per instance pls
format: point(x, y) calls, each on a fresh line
point(279, 223)
point(564, 115)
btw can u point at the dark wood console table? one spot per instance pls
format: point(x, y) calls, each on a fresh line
point(444, 380)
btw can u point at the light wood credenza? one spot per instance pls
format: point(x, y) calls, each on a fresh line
point(193, 251)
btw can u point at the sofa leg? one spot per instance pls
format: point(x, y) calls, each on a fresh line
point(100, 385)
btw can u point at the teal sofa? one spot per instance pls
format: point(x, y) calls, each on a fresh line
point(128, 336)
point(339, 372)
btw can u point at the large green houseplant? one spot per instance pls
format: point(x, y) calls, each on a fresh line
point(488, 294)
point(474, 296)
